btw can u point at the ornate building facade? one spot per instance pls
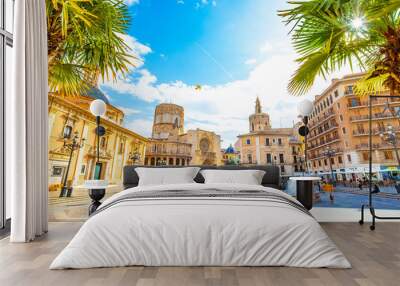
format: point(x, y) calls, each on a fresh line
point(71, 116)
point(170, 145)
point(339, 122)
point(265, 145)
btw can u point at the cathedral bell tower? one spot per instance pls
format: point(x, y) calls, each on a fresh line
point(259, 121)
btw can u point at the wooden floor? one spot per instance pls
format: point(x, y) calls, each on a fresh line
point(375, 257)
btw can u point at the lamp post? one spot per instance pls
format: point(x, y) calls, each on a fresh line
point(305, 109)
point(330, 153)
point(390, 137)
point(72, 146)
point(98, 109)
point(97, 187)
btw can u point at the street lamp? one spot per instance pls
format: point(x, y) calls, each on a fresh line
point(72, 146)
point(390, 137)
point(98, 109)
point(305, 109)
point(330, 153)
point(97, 188)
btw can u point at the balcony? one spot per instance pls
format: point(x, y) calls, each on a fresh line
point(375, 116)
point(185, 153)
point(375, 131)
point(364, 104)
point(104, 154)
point(365, 146)
point(338, 151)
point(321, 118)
point(331, 127)
point(323, 143)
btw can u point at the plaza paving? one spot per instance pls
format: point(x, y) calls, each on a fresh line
point(75, 208)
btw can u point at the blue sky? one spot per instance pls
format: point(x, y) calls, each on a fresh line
point(235, 49)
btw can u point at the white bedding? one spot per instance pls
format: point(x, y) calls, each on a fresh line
point(200, 231)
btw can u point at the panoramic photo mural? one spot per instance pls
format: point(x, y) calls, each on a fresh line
point(201, 82)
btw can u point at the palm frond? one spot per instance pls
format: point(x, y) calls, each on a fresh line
point(369, 84)
point(305, 75)
point(67, 79)
point(86, 33)
point(325, 40)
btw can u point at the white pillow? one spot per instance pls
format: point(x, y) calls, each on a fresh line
point(248, 177)
point(166, 176)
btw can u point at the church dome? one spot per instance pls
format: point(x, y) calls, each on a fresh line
point(230, 150)
point(96, 93)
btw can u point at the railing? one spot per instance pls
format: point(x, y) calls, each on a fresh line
point(102, 152)
point(365, 103)
point(320, 156)
point(374, 116)
point(331, 127)
point(321, 118)
point(365, 146)
point(168, 152)
point(323, 143)
point(375, 131)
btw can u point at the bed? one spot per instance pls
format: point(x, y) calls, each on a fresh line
point(201, 224)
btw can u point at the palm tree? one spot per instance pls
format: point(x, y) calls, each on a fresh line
point(329, 34)
point(84, 42)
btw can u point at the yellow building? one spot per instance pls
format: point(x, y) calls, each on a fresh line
point(339, 122)
point(70, 116)
point(265, 145)
point(170, 145)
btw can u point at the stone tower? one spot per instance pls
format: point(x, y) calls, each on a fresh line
point(168, 121)
point(259, 121)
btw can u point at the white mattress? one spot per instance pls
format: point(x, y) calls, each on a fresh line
point(200, 232)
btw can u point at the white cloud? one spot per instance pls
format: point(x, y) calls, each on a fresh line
point(225, 108)
point(266, 47)
point(138, 50)
point(140, 126)
point(250, 62)
point(131, 2)
point(203, 3)
point(180, 2)
point(129, 111)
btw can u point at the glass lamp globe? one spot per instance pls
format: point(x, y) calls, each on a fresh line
point(98, 107)
point(305, 107)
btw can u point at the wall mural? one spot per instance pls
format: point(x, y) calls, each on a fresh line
point(202, 83)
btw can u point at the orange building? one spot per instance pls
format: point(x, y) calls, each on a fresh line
point(339, 132)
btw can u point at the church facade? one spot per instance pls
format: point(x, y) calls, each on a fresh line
point(70, 117)
point(171, 145)
point(264, 145)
